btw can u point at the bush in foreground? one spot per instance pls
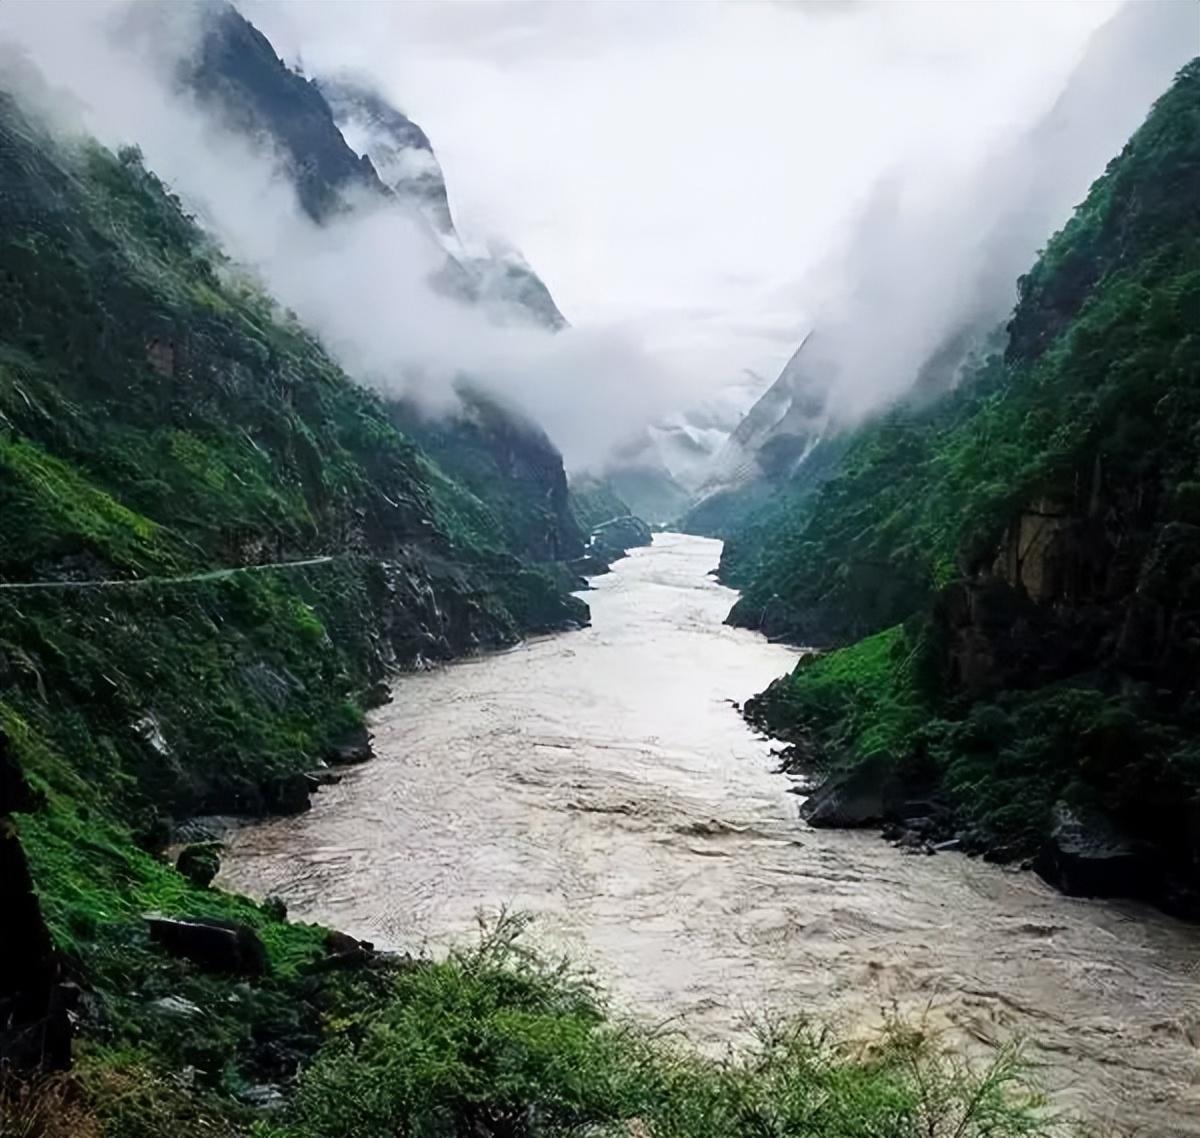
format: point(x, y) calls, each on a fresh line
point(500, 1043)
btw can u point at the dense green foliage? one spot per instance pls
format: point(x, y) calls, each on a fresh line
point(507, 462)
point(159, 418)
point(1036, 531)
point(157, 413)
point(1101, 369)
point(185, 696)
point(492, 1041)
point(163, 428)
point(860, 700)
point(497, 1041)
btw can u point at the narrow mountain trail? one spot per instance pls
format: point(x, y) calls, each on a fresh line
point(141, 582)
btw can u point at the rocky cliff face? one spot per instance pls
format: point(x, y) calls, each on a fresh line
point(404, 157)
point(399, 150)
point(236, 71)
point(509, 463)
point(768, 446)
point(158, 420)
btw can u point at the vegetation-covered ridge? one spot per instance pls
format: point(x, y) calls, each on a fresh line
point(159, 418)
point(1021, 557)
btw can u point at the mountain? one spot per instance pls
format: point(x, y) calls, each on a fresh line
point(399, 150)
point(1035, 182)
point(403, 156)
point(214, 548)
point(236, 72)
point(767, 447)
point(1007, 573)
point(486, 443)
point(662, 469)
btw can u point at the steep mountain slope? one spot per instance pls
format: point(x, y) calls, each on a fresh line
point(213, 547)
point(161, 425)
point(661, 469)
point(399, 150)
point(1021, 556)
point(235, 70)
point(1015, 204)
point(507, 461)
point(236, 73)
point(768, 447)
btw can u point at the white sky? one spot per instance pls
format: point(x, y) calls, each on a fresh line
point(678, 168)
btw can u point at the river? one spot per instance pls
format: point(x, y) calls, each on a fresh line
point(602, 780)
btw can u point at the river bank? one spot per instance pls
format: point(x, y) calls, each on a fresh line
point(603, 781)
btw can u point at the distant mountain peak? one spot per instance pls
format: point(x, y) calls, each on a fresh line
point(237, 72)
point(404, 158)
point(398, 148)
point(341, 141)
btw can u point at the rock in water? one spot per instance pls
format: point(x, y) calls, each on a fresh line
point(343, 950)
point(287, 794)
point(200, 863)
point(1085, 856)
point(211, 944)
point(351, 746)
point(860, 796)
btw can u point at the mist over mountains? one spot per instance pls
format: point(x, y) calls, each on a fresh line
point(921, 285)
point(255, 152)
point(339, 204)
point(281, 421)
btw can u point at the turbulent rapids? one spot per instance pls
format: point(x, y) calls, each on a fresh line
point(603, 781)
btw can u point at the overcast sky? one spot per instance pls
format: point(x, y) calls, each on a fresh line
point(681, 167)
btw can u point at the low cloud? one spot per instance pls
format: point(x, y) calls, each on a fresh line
point(936, 243)
point(361, 281)
point(922, 274)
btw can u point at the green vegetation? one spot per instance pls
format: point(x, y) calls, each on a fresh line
point(159, 418)
point(1036, 534)
point(176, 698)
point(854, 702)
point(498, 1041)
point(165, 429)
point(507, 462)
point(494, 1040)
point(158, 414)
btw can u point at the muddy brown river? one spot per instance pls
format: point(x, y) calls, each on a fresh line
point(602, 781)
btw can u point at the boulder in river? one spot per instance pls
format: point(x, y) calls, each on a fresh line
point(288, 794)
point(200, 862)
point(213, 945)
point(344, 951)
point(618, 535)
point(350, 746)
point(861, 795)
point(589, 565)
point(1085, 856)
